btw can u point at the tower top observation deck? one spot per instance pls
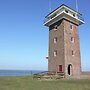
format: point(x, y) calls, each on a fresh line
point(63, 12)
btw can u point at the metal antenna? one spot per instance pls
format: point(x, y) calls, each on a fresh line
point(77, 5)
point(49, 5)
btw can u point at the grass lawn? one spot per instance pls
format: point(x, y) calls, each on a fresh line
point(27, 83)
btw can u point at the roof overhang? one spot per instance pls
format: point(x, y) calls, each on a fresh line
point(66, 16)
point(59, 8)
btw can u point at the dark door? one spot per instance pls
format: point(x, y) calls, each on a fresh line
point(60, 68)
point(69, 69)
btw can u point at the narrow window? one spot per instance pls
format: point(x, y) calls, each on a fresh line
point(74, 15)
point(72, 39)
point(71, 26)
point(73, 53)
point(53, 15)
point(55, 40)
point(66, 11)
point(55, 27)
point(55, 53)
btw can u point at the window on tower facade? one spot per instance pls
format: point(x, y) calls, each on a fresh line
point(55, 40)
point(72, 39)
point(71, 27)
point(74, 15)
point(66, 11)
point(55, 27)
point(55, 53)
point(73, 52)
point(53, 15)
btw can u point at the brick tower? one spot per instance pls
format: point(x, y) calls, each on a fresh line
point(64, 49)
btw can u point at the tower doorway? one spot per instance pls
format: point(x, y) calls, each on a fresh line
point(60, 68)
point(70, 69)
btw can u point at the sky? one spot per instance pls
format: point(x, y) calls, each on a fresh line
point(24, 39)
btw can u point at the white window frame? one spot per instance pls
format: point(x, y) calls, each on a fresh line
point(55, 39)
point(55, 53)
point(72, 39)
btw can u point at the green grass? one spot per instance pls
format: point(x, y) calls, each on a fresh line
point(27, 83)
point(86, 73)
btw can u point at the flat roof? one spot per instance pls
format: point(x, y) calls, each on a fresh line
point(61, 6)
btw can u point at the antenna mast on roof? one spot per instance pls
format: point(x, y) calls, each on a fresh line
point(77, 5)
point(49, 5)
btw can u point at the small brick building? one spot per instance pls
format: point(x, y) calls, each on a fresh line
point(64, 48)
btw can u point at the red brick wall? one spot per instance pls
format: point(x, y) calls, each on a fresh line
point(69, 46)
point(64, 48)
point(54, 62)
